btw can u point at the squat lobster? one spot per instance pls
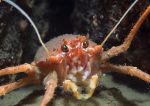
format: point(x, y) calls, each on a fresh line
point(74, 62)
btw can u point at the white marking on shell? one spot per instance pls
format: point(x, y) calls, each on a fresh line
point(87, 71)
point(69, 54)
point(72, 78)
point(74, 70)
point(80, 69)
point(86, 74)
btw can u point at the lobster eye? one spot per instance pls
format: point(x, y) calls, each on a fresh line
point(85, 44)
point(64, 48)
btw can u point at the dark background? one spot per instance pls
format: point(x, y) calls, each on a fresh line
point(19, 43)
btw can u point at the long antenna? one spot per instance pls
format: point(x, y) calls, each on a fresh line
point(30, 20)
point(127, 11)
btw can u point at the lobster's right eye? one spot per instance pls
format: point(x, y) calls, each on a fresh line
point(85, 44)
point(64, 48)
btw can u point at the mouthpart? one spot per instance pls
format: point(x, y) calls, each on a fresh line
point(81, 92)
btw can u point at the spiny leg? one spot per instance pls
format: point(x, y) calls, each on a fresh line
point(32, 77)
point(50, 83)
point(17, 69)
point(114, 51)
point(15, 85)
point(128, 70)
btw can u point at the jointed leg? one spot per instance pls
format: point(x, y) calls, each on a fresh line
point(12, 86)
point(32, 77)
point(129, 70)
point(18, 69)
point(51, 83)
point(114, 51)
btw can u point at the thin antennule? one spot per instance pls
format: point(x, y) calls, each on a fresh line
point(30, 20)
point(127, 11)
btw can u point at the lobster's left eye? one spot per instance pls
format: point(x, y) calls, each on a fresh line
point(85, 44)
point(64, 48)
